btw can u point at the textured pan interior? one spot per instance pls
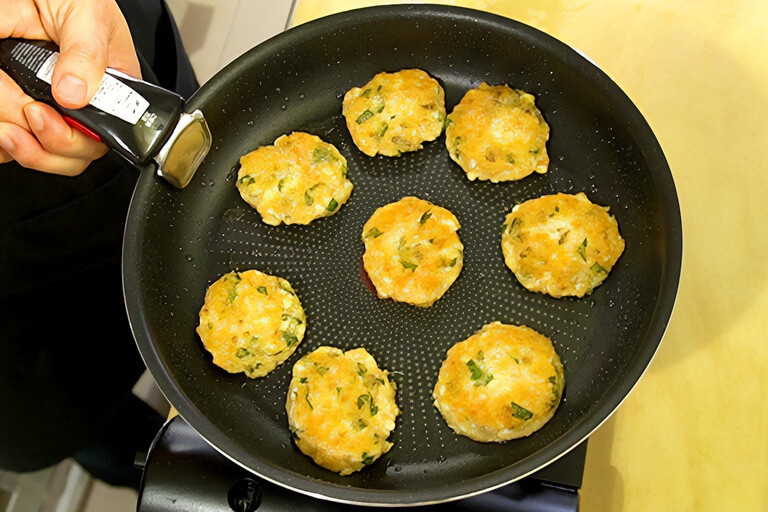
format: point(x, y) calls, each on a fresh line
point(178, 242)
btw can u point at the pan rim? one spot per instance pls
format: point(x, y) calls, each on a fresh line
point(665, 302)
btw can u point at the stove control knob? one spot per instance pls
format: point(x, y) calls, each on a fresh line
point(245, 495)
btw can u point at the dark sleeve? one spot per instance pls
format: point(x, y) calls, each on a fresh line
point(67, 356)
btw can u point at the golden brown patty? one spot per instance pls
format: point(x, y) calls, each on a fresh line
point(501, 383)
point(395, 112)
point(498, 134)
point(561, 244)
point(341, 408)
point(412, 251)
point(297, 180)
point(251, 322)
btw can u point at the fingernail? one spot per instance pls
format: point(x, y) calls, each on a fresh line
point(35, 118)
point(6, 143)
point(72, 89)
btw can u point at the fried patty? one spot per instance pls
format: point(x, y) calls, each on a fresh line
point(412, 251)
point(341, 408)
point(497, 133)
point(251, 322)
point(501, 383)
point(297, 180)
point(395, 112)
point(562, 244)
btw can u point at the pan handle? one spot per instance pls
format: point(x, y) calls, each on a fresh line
point(140, 121)
point(183, 472)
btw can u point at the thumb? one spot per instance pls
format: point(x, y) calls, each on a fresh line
point(89, 33)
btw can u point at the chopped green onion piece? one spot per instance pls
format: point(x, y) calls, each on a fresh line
point(452, 263)
point(374, 409)
point(361, 424)
point(510, 158)
point(447, 121)
point(309, 196)
point(597, 268)
point(361, 369)
point(521, 412)
point(338, 391)
point(424, 218)
point(556, 391)
point(249, 181)
point(242, 352)
point(362, 400)
point(365, 93)
point(480, 377)
point(232, 295)
point(322, 155)
point(254, 339)
point(382, 131)
point(332, 205)
point(477, 372)
point(344, 171)
point(368, 459)
point(366, 115)
point(562, 237)
point(262, 289)
point(294, 435)
point(306, 397)
point(480, 356)
point(321, 369)
point(503, 228)
point(487, 377)
point(280, 184)
point(582, 248)
point(290, 338)
point(515, 222)
point(408, 265)
point(303, 380)
point(210, 325)
point(373, 232)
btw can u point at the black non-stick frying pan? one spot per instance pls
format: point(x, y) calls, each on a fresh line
point(178, 242)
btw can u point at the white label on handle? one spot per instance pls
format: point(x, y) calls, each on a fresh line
point(113, 96)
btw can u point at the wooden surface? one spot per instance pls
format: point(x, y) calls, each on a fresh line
point(693, 435)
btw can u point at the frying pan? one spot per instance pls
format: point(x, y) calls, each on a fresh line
point(178, 242)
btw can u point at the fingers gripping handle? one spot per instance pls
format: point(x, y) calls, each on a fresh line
point(131, 116)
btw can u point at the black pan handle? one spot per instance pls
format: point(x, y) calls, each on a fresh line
point(138, 120)
point(183, 472)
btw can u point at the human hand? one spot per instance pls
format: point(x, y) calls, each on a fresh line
point(91, 34)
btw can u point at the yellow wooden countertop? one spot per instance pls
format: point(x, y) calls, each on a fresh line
point(693, 435)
